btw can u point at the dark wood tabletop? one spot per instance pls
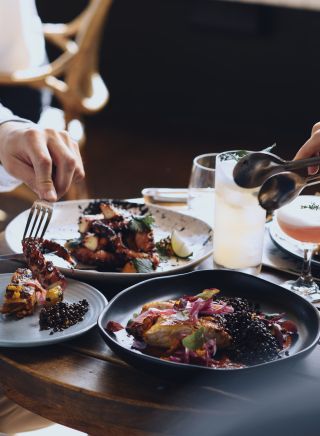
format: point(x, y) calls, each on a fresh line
point(83, 385)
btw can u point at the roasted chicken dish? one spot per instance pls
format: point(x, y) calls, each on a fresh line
point(115, 240)
point(219, 332)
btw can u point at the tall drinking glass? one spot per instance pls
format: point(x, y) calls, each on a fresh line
point(300, 220)
point(239, 220)
point(201, 187)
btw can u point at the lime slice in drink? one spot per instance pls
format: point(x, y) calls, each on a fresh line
point(179, 246)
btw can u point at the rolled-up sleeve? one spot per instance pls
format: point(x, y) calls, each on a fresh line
point(6, 115)
point(7, 182)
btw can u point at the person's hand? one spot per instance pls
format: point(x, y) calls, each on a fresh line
point(46, 160)
point(311, 148)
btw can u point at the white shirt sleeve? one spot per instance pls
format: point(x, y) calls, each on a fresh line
point(7, 182)
point(21, 46)
point(6, 115)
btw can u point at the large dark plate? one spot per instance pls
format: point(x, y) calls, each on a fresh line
point(272, 298)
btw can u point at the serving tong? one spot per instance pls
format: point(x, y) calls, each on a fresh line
point(281, 189)
point(255, 168)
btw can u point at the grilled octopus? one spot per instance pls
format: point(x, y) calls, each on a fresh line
point(108, 239)
point(43, 270)
point(40, 283)
point(22, 293)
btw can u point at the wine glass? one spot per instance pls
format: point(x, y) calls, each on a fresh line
point(300, 220)
point(201, 187)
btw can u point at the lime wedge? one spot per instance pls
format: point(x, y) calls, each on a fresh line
point(179, 246)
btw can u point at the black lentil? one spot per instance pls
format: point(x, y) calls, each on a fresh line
point(62, 315)
point(252, 340)
point(240, 304)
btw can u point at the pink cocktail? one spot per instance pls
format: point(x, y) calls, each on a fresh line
point(300, 220)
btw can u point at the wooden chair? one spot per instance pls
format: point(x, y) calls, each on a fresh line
point(73, 76)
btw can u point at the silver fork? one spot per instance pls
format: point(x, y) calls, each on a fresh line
point(38, 219)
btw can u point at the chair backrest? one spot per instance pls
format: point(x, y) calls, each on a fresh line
point(73, 77)
point(85, 88)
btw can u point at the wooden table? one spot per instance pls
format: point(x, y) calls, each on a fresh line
point(82, 384)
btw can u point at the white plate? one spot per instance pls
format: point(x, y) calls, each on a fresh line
point(63, 226)
point(286, 243)
point(26, 333)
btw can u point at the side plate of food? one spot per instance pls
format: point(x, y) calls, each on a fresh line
point(121, 241)
point(33, 330)
point(208, 321)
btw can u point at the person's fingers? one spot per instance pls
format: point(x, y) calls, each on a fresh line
point(79, 173)
point(314, 169)
point(64, 160)
point(315, 128)
point(311, 148)
point(22, 171)
point(48, 161)
point(42, 165)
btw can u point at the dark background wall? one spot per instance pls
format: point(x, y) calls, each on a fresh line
point(193, 76)
point(227, 71)
point(213, 68)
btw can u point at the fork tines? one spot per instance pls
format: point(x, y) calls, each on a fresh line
point(38, 219)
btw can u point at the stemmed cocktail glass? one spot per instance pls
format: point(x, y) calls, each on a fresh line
point(300, 220)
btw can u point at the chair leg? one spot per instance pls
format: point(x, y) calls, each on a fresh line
point(76, 129)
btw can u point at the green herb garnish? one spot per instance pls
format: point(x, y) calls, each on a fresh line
point(237, 155)
point(312, 206)
point(141, 223)
point(143, 265)
point(206, 294)
point(195, 340)
point(234, 155)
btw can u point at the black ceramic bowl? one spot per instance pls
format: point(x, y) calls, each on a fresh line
point(271, 298)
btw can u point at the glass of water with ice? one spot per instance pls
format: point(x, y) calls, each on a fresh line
point(239, 220)
point(201, 187)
